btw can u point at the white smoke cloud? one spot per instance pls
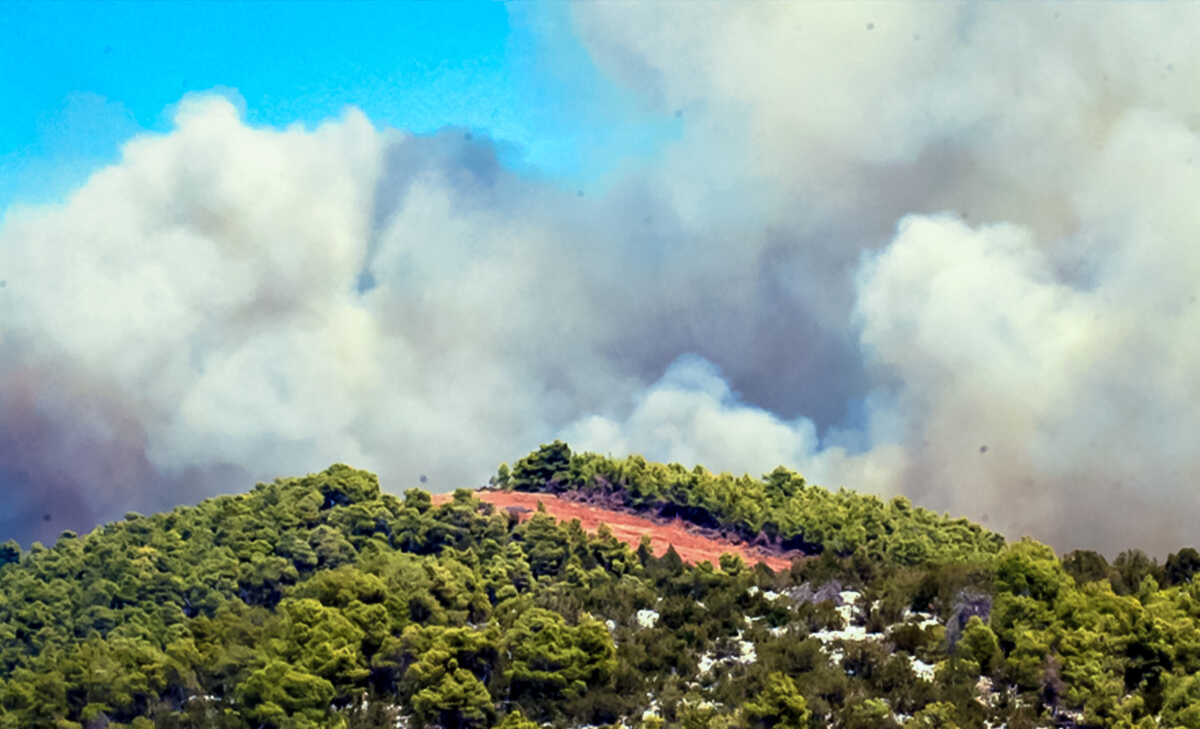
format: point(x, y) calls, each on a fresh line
point(691, 416)
point(1060, 411)
point(229, 298)
point(945, 252)
point(1082, 392)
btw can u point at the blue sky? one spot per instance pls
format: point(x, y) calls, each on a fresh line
point(81, 78)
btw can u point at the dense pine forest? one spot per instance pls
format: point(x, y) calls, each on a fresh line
point(323, 602)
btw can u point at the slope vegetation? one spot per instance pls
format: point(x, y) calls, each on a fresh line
point(780, 511)
point(322, 603)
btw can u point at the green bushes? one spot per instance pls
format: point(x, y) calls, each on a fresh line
point(323, 602)
point(781, 509)
point(779, 705)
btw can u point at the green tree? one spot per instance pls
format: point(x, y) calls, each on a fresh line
point(1030, 569)
point(1130, 568)
point(340, 484)
point(1179, 569)
point(324, 642)
point(1181, 705)
point(503, 477)
point(545, 544)
point(516, 720)
point(550, 659)
point(978, 643)
point(10, 552)
point(428, 650)
point(1029, 583)
point(453, 698)
point(732, 564)
point(868, 714)
point(279, 690)
point(779, 705)
point(936, 715)
point(536, 470)
point(1084, 565)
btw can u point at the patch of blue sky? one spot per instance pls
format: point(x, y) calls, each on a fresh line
point(79, 79)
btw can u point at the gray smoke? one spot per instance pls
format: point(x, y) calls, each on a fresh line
point(945, 252)
point(1012, 189)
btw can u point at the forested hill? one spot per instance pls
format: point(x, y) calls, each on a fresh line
point(322, 602)
point(781, 509)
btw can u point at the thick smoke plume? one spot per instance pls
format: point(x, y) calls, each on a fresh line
point(944, 252)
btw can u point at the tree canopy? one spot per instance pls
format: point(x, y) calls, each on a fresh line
point(322, 601)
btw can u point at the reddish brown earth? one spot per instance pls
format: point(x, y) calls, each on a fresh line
point(629, 528)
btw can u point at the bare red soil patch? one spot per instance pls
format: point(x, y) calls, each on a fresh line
point(629, 528)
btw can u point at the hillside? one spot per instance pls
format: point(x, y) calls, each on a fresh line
point(323, 602)
point(689, 543)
